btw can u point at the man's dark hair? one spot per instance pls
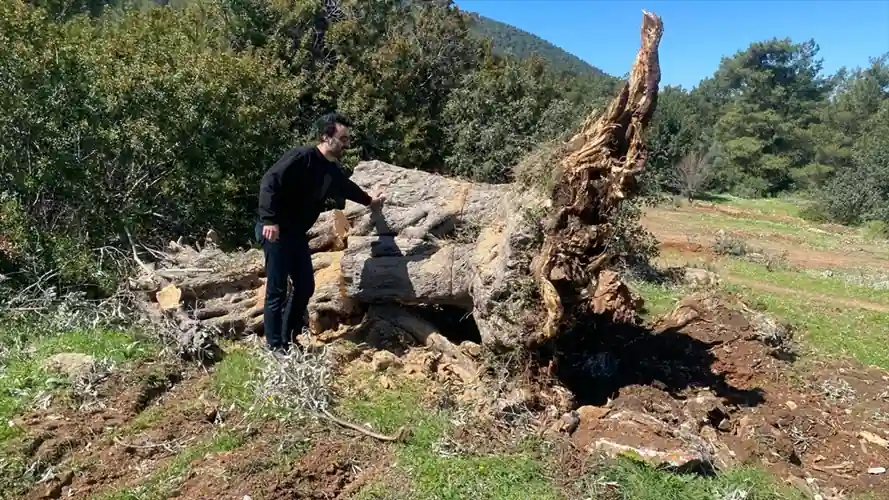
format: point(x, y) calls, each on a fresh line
point(326, 125)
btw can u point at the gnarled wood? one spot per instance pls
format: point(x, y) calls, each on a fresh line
point(598, 172)
point(438, 241)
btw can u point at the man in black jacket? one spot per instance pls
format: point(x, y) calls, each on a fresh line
point(291, 197)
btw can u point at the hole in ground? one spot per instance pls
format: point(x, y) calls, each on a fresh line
point(598, 359)
point(455, 323)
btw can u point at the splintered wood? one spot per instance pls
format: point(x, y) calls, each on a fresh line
point(598, 170)
point(525, 264)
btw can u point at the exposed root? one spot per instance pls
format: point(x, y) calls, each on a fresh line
point(598, 171)
point(401, 435)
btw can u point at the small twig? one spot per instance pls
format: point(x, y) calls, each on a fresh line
point(157, 254)
point(399, 436)
point(187, 270)
point(166, 444)
point(136, 254)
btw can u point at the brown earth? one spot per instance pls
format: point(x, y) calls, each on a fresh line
point(716, 379)
point(101, 448)
point(674, 233)
point(333, 467)
point(705, 387)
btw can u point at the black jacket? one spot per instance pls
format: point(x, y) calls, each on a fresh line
point(294, 190)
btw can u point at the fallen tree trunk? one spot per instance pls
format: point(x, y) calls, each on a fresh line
point(526, 264)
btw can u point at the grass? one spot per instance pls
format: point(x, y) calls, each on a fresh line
point(857, 333)
point(638, 481)
point(233, 377)
point(762, 228)
point(830, 330)
point(816, 306)
point(659, 298)
point(752, 222)
point(431, 475)
point(521, 474)
point(837, 314)
point(787, 278)
point(22, 376)
point(790, 207)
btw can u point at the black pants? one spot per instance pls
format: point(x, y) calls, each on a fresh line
point(290, 256)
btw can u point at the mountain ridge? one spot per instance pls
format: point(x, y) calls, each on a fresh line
point(508, 39)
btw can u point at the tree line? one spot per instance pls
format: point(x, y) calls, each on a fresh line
point(770, 122)
point(156, 119)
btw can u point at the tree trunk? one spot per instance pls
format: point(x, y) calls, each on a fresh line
point(597, 173)
point(527, 265)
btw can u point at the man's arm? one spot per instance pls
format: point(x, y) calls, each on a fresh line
point(348, 189)
point(269, 196)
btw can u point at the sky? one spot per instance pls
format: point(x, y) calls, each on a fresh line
point(697, 33)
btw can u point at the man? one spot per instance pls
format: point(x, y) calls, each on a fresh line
point(291, 197)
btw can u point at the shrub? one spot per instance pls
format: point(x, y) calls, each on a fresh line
point(875, 229)
point(134, 121)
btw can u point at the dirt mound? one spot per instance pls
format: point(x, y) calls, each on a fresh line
point(116, 441)
point(330, 468)
point(712, 387)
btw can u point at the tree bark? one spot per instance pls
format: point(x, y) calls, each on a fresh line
point(527, 265)
point(598, 172)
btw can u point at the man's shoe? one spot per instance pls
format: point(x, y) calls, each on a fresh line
point(279, 353)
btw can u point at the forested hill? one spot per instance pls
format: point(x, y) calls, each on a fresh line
point(508, 39)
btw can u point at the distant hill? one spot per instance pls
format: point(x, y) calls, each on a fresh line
point(520, 43)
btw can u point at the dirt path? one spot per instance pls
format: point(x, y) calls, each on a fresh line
point(817, 297)
point(698, 240)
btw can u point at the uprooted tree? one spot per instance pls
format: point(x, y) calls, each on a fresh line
point(526, 263)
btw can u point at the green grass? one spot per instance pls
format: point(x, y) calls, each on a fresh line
point(233, 377)
point(830, 330)
point(637, 481)
point(791, 207)
point(763, 228)
point(22, 376)
point(856, 333)
point(800, 281)
point(518, 475)
point(659, 299)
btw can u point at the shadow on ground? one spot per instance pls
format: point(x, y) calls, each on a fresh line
point(595, 361)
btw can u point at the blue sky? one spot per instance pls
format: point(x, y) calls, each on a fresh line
point(697, 34)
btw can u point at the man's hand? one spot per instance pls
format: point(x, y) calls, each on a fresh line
point(377, 202)
point(270, 232)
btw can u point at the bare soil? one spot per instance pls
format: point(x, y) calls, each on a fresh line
point(716, 378)
point(673, 232)
point(99, 448)
point(333, 467)
point(702, 377)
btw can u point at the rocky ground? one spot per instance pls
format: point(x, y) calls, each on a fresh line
point(708, 387)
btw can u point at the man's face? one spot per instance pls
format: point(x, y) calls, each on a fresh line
point(340, 141)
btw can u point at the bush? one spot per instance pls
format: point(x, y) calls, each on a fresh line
point(135, 121)
point(728, 244)
point(875, 229)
